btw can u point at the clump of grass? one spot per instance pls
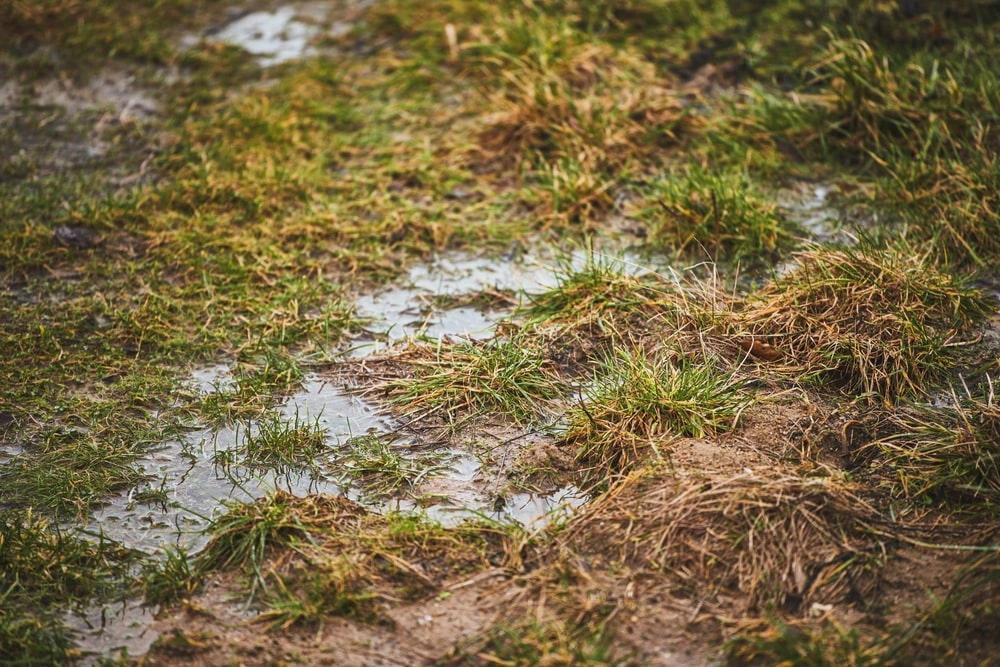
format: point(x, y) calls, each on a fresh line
point(276, 442)
point(910, 116)
point(174, 578)
point(947, 453)
point(639, 400)
point(381, 468)
point(570, 111)
point(89, 32)
point(553, 642)
point(781, 541)
point(879, 322)
point(807, 644)
point(329, 555)
point(719, 213)
point(601, 296)
point(43, 570)
point(509, 377)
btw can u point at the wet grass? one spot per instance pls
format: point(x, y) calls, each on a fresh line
point(385, 469)
point(309, 558)
point(236, 223)
point(947, 453)
point(44, 571)
point(716, 216)
point(275, 442)
point(638, 402)
point(456, 381)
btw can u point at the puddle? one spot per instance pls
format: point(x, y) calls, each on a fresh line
point(274, 37)
point(188, 488)
point(212, 379)
point(109, 630)
point(409, 308)
point(808, 205)
point(529, 509)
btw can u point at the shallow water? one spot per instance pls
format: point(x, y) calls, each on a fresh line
point(808, 205)
point(273, 37)
point(190, 489)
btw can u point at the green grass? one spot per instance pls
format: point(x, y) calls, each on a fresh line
point(716, 215)
point(601, 295)
point(384, 469)
point(43, 572)
point(531, 642)
point(640, 401)
point(338, 558)
point(275, 442)
point(825, 644)
point(455, 381)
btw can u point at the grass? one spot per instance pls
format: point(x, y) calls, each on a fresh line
point(383, 469)
point(602, 296)
point(544, 643)
point(44, 571)
point(947, 453)
point(339, 558)
point(236, 224)
point(721, 215)
point(772, 641)
point(277, 443)
point(174, 578)
point(639, 401)
point(782, 541)
point(455, 381)
point(880, 322)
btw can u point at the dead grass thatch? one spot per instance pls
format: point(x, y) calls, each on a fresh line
point(880, 322)
point(781, 541)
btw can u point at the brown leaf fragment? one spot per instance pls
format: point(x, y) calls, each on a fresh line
point(758, 348)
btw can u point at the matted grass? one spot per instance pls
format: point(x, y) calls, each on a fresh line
point(324, 555)
point(781, 541)
point(882, 323)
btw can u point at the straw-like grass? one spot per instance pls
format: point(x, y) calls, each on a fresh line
point(876, 322)
point(948, 452)
point(781, 541)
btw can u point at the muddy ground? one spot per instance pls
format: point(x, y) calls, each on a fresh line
point(415, 333)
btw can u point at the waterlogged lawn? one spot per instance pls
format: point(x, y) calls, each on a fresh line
point(784, 425)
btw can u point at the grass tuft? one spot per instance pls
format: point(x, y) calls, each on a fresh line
point(721, 214)
point(505, 376)
point(639, 401)
point(880, 322)
point(947, 452)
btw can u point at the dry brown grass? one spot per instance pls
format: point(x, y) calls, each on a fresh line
point(777, 540)
point(876, 322)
